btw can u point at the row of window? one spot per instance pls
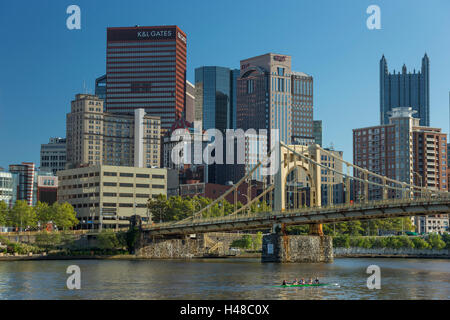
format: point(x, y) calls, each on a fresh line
point(131, 185)
point(138, 175)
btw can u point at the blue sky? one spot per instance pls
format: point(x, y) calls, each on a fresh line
point(43, 64)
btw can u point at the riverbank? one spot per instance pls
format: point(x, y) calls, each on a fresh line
point(37, 257)
point(355, 252)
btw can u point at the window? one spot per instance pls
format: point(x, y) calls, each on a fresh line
point(157, 186)
point(158, 176)
point(250, 84)
point(127, 185)
point(110, 174)
point(141, 185)
point(125, 205)
point(280, 71)
point(141, 175)
point(109, 194)
point(126, 195)
point(124, 174)
point(107, 204)
point(109, 184)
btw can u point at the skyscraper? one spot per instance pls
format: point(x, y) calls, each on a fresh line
point(215, 105)
point(189, 113)
point(411, 90)
point(97, 137)
point(26, 179)
point(302, 109)
point(387, 149)
point(215, 97)
point(53, 155)
point(272, 96)
point(317, 132)
point(146, 68)
point(100, 89)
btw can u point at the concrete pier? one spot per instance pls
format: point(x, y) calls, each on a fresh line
point(291, 248)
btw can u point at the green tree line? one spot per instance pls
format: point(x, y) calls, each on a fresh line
point(431, 241)
point(248, 242)
point(22, 216)
point(177, 208)
point(359, 228)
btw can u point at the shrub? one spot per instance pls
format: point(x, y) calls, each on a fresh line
point(420, 243)
point(342, 241)
point(435, 241)
point(446, 238)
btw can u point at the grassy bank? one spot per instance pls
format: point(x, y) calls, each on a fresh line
point(431, 241)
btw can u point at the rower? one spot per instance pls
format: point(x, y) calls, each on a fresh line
point(302, 281)
point(316, 281)
point(284, 283)
point(310, 281)
point(295, 282)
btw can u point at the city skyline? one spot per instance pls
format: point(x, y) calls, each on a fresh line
point(63, 67)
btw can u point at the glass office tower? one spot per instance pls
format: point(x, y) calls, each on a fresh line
point(215, 106)
point(215, 97)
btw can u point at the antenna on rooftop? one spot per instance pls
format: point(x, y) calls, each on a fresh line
point(84, 87)
point(331, 146)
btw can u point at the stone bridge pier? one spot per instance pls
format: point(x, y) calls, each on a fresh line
point(279, 247)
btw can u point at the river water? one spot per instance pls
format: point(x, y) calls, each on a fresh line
point(223, 279)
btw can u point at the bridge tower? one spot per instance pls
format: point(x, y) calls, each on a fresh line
point(289, 162)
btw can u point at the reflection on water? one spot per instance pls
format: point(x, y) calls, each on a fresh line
point(223, 279)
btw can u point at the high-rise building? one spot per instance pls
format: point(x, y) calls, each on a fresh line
point(430, 158)
point(53, 155)
point(405, 89)
point(146, 68)
point(190, 102)
point(6, 187)
point(25, 183)
point(329, 177)
point(302, 109)
point(317, 132)
point(264, 95)
point(387, 149)
point(430, 170)
point(46, 188)
point(271, 96)
point(215, 97)
point(106, 196)
point(100, 89)
point(97, 137)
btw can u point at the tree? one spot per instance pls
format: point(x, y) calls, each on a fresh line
point(257, 241)
point(109, 240)
point(159, 208)
point(44, 213)
point(3, 212)
point(21, 215)
point(63, 215)
point(436, 242)
point(355, 228)
point(420, 243)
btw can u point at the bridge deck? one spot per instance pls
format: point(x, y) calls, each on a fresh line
point(362, 211)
